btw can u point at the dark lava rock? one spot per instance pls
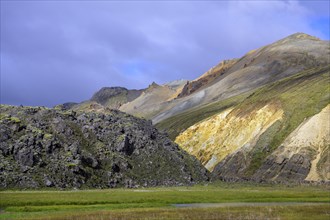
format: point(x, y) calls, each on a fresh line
point(295, 168)
point(235, 168)
point(53, 148)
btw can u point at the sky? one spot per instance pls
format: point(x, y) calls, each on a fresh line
point(54, 52)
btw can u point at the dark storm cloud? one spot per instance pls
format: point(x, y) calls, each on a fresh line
point(58, 51)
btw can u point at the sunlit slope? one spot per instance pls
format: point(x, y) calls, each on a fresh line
point(215, 138)
point(240, 137)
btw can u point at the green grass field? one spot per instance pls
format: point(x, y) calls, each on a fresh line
point(157, 203)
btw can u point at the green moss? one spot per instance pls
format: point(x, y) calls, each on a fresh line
point(48, 136)
point(15, 119)
point(37, 130)
point(71, 165)
point(3, 116)
point(121, 138)
point(259, 152)
point(85, 143)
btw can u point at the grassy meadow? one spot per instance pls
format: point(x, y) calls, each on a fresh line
point(287, 202)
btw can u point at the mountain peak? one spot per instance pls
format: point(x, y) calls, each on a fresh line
point(153, 85)
point(300, 35)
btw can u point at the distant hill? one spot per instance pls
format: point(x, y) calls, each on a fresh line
point(140, 103)
point(148, 104)
point(107, 97)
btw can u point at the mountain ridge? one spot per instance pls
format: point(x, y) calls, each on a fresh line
point(228, 78)
point(264, 65)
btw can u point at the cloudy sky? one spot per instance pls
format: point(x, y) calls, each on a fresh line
point(58, 51)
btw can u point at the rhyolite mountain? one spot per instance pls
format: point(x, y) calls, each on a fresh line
point(42, 147)
point(261, 117)
point(265, 118)
point(257, 68)
point(279, 132)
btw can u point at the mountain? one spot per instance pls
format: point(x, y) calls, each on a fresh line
point(280, 132)
point(42, 147)
point(265, 119)
point(259, 67)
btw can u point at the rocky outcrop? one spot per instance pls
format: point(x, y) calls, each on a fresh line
point(42, 147)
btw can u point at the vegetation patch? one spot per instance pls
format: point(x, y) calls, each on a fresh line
point(151, 203)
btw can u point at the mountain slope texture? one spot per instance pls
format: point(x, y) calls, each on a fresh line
point(267, 130)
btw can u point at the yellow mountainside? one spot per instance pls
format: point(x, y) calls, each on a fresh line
point(218, 136)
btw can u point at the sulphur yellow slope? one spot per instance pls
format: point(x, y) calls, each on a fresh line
point(218, 136)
